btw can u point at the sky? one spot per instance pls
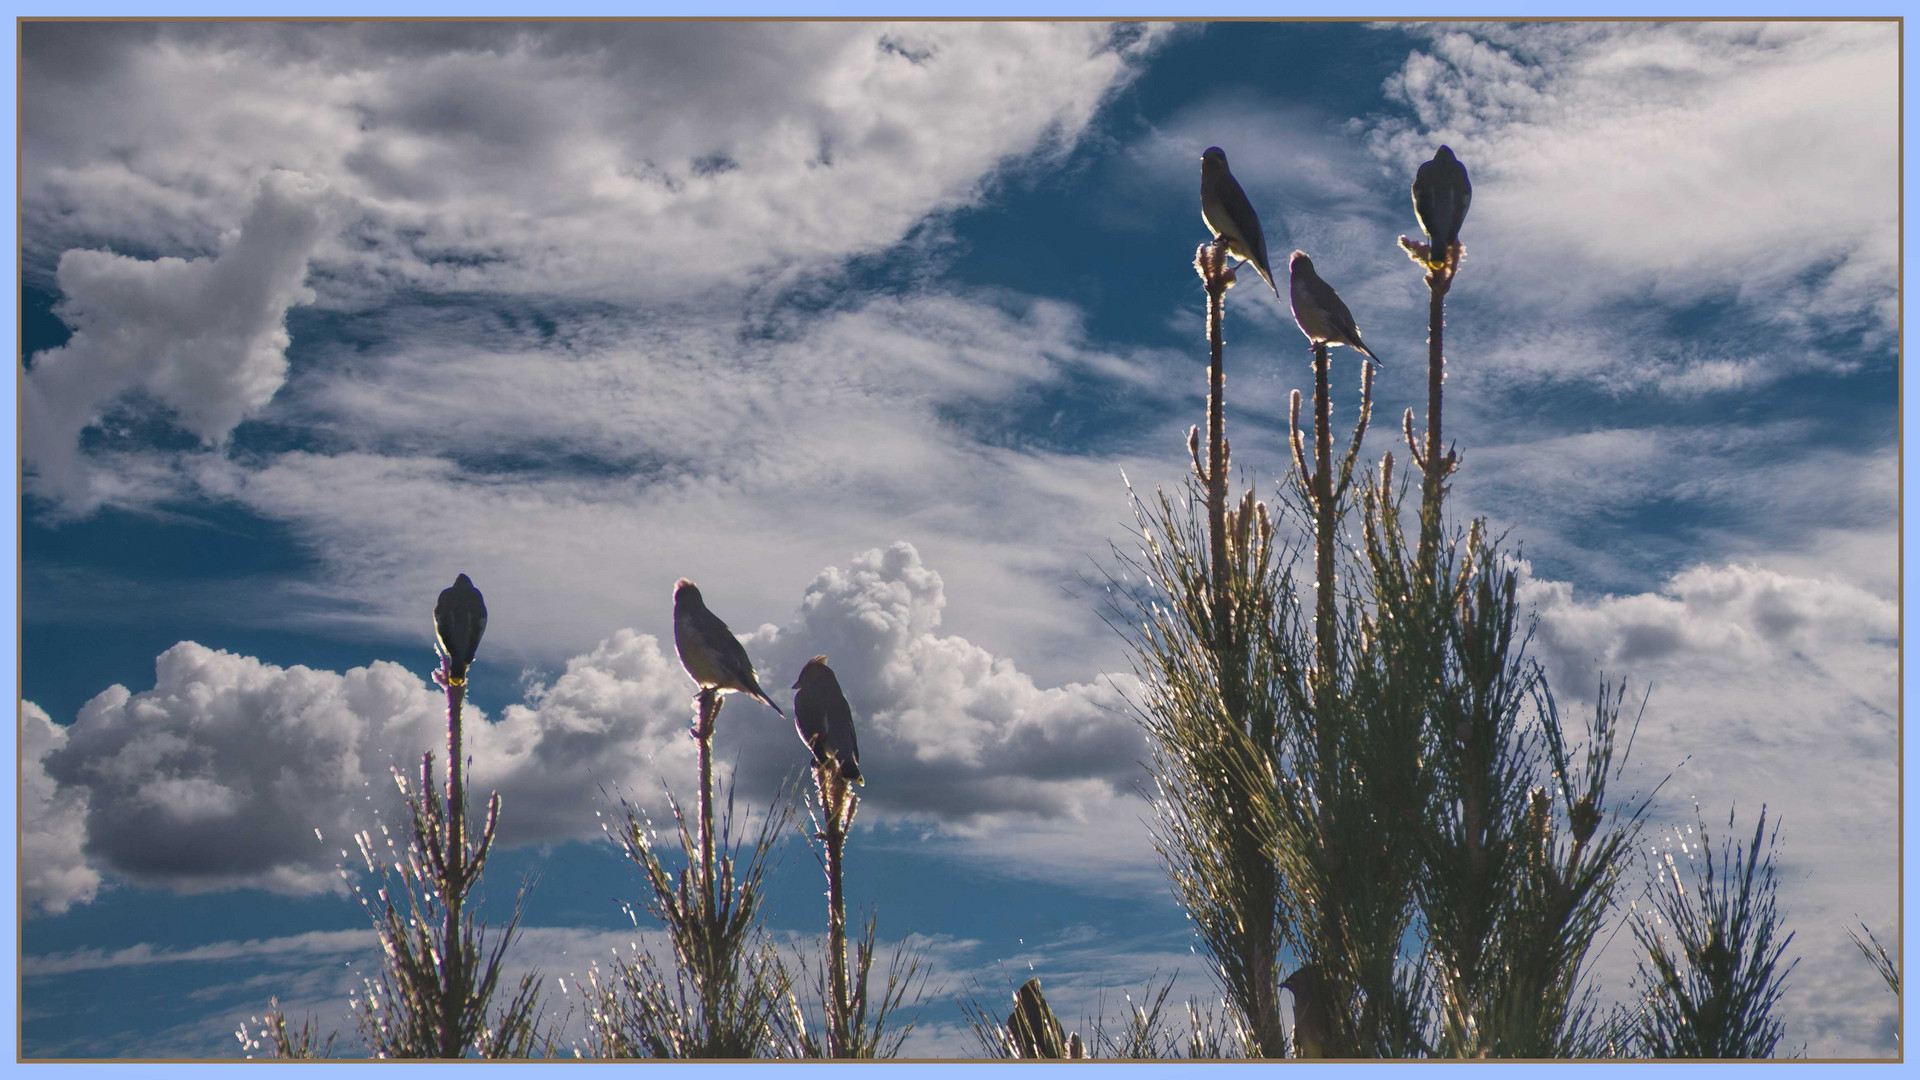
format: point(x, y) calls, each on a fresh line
point(866, 328)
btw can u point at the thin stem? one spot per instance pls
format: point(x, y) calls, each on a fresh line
point(1436, 464)
point(456, 797)
point(704, 723)
point(1325, 629)
point(1217, 439)
point(453, 888)
point(833, 808)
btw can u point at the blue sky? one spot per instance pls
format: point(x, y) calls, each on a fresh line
point(859, 326)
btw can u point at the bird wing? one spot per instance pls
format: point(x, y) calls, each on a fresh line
point(1427, 205)
point(1233, 199)
point(1335, 309)
point(810, 718)
point(443, 628)
point(840, 731)
point(720, 641)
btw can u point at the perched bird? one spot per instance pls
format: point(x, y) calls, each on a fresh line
point(458, 621)
point(708, 650)
point(824, 719)
point(1318, 311)
point(1312, 1035)
point(1441, 195)
point(1225, 209)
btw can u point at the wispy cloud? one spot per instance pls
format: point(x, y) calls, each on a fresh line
point(641, 159)
point(290, 949)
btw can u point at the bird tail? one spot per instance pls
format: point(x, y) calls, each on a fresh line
point(1369, 352)
point(768, 702)
point(1269, 279)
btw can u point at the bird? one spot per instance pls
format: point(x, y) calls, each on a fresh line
point(458, 621)
point(709, 651)
point(1312, 1034)
point(1441, 195)
point(1317, 309)
point(1228, 214)
point(825, 720)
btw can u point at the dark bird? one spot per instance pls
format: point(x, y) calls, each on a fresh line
point(1317, 309)
point(1441, 195)
point(825, 720)
point(708, 650)
point(1312, 1030)
point(458, 621)
point(1228, 214)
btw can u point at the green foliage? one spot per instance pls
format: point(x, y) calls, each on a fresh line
point(1148, 1031)
point(279, 1041)
point(1214, 678)
point(1381, 789)
point(1883, 962)
point(859, 1018)
point(874, 1028)
point(1714, 975)
point(1520, 851)
point(724, 994)
point(438, 974)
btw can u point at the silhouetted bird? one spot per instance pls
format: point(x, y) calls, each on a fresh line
point(1312, 1034)
point(458, 621)
point(1441, 195)
point(708, 650)
point(1225, 209)
point(1318, 311)
point(824, 719)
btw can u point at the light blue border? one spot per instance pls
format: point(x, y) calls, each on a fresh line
point(1910, 483)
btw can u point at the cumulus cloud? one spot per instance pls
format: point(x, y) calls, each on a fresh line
point(222, 774)
point(620, 159)
point(204, 339)
point(54, 871)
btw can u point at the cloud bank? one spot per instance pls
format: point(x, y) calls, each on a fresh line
point(231, 772)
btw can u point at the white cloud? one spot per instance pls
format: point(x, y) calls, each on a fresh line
point(205, 339)
point(1622, 507)
point(1765, 688)
point(54, 871)
point(619, 159)
point(577, 477)
point(328, 943)
point(1631, 170)
point(221, 774)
